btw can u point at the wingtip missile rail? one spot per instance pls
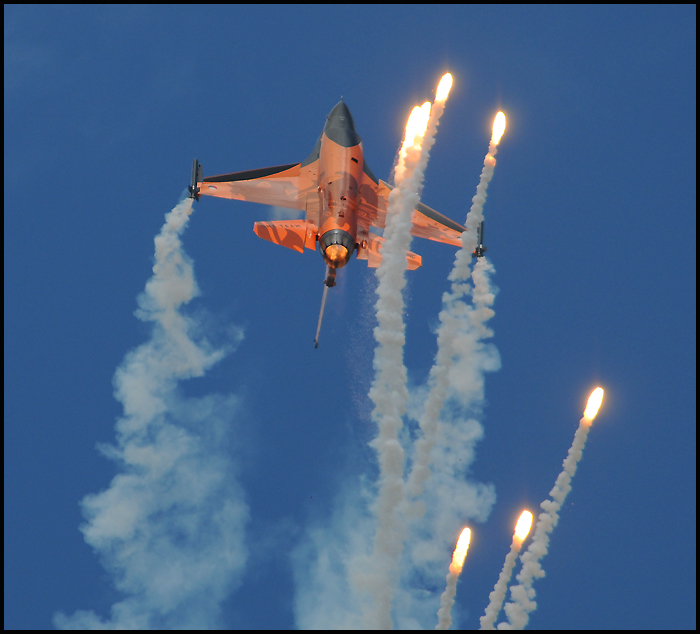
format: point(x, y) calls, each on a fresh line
point(196, 178)
point(480, 248)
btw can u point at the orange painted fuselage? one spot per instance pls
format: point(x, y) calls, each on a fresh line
point(339, 177)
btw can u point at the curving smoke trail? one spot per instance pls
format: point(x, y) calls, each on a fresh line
point(523, 594)
point(170, 526)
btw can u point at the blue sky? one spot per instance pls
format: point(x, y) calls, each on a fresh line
point(590, 224)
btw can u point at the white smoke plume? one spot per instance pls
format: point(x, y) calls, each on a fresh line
point(498, 594)
point(446, 602)
point(389, 392)
point(449, 498)
point(450, 317)
point(170, 526)
point(523, 594)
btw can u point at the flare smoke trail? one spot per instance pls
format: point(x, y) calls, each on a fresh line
point(170, 526)
point(523, 594)
point(389, 393)
point(498, 595)
point(453, 313)
point(446, 602)
point(461, 361)
point(448, 596)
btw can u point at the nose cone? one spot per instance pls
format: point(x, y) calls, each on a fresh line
point(340, 117)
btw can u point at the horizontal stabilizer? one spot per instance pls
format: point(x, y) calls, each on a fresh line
point(372, 253)
point(293, 234)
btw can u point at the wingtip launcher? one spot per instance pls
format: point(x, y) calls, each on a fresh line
point(480, 248)
point(196, 178)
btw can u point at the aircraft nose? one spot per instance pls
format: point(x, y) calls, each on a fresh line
point(340, 117)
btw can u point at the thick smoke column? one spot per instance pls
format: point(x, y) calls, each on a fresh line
point(498, 595)
point(389, 393)
point(170, 526)
point(523, 594)
point(447, 600)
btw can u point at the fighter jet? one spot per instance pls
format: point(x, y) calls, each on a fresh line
point(342, 200)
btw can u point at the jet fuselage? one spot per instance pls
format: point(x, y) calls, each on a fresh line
point(340, 173)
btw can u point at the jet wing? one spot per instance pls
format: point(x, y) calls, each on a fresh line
point(427, 223)
point(277, 185)
point(281, 185)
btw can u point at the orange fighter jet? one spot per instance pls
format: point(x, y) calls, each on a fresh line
point(340, 195)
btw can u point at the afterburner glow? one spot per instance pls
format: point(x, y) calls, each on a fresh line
point(336, 252)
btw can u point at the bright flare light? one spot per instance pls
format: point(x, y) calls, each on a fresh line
point(416, 126)
point(460, 552)
point(415, 129)
point(499, 127)
point(443, 88)
point(522, 528)
point(594, 401)
point(423, 120)
point(411, 128)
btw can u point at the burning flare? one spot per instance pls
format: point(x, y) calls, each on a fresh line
point(522, 528)
point(424, 118)
point(460, 552)
point(594, 401)
point(498, 595)
point(415, 130)
point(499, 127)
point(411, 127)
point(523, 594)
point(443, 88)
point(448, 596)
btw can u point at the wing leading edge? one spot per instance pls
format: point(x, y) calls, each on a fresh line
point(278, 185)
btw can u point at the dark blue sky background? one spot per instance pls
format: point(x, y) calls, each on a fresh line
point(590, 226)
